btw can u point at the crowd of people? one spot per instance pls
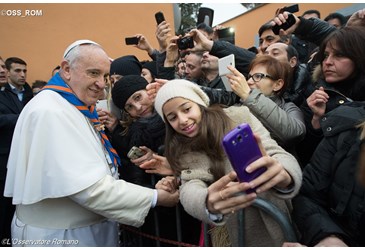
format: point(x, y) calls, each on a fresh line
point(149, 164)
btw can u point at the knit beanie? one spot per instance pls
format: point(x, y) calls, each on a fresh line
point(180, 88)
point(152, 67)
point(126, 87)
point(126, 65)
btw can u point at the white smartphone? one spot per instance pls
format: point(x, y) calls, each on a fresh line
point(223, 63)
point(110, 107)
point(103, 104)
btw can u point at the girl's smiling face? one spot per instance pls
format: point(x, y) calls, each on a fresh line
point(183, 115)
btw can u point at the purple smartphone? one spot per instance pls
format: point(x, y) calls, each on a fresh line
point(242, 149)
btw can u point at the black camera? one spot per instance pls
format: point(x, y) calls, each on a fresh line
point(185, 43)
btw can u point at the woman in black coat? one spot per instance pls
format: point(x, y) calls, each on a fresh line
point(330, 208)
point(340, 78)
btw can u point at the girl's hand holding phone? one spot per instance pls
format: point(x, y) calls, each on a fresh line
point(274, 176)
point(146, 157)
point(249, 159)
point(227, 196)
point(238, 83)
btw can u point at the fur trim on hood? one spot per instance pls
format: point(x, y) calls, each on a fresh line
point(317, 74)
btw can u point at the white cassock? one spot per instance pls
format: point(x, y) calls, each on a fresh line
point(64, 190)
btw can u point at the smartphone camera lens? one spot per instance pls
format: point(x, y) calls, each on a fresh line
point(239, 138)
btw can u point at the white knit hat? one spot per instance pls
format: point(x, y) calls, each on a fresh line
point(180, 88)
point(77, 43)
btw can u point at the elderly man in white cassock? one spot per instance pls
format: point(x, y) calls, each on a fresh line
point(62, 169)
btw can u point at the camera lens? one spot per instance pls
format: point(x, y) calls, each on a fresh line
point(185, 43)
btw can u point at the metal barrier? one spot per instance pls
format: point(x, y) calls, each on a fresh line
point(279, 217)
point(266, 206)
point(270, 209)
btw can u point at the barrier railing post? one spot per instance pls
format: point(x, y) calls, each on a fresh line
point(241, 226)
point(279, 217)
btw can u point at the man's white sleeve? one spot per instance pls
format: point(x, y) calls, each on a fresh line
point(118, 200)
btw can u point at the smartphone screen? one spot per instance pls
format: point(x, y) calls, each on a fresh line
point(242, 149)
point(131, 40)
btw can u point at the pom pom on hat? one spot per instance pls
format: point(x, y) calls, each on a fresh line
point(126, 87)
point(126, 65)
point(180, 88)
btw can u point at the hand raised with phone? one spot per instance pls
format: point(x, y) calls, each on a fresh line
point(275, 174)
point(143, 153)
point(238, 83)
point(163, 31)
point(285, 23)
point(251, 162)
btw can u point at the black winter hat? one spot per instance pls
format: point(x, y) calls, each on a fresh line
point(126, 65)
point(152, 67)
point(126, 87)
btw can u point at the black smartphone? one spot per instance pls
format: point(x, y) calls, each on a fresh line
point(292, 8)
point(205, 15)
point(131, 40)
point(159, 17)
point(289, 22)
point(242, 149)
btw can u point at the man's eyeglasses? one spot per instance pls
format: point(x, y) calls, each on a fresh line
point(258, 77)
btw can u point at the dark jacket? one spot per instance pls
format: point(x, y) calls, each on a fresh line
point(10, 108)
point(313, 30)
point(243, 57)
point(221, 96)
point(149, 132)
point(301, 86)
point(216, 83)
point(331, 201)
point(303, 47)
point(339, 94)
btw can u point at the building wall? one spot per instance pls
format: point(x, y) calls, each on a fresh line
point(41, 39)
